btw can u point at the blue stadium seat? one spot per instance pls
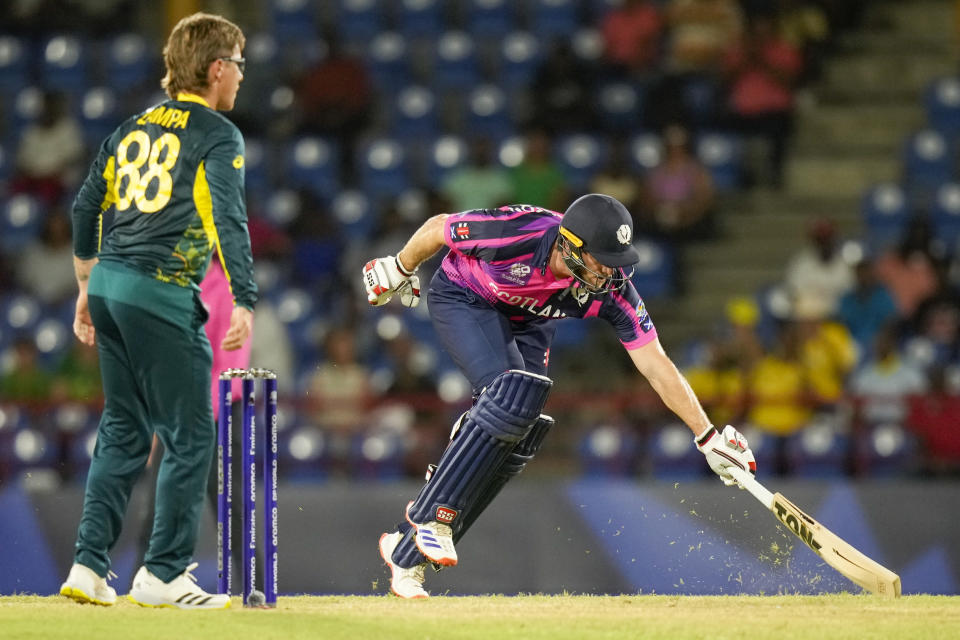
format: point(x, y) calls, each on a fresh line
point(293, 19)
point(646, 151)
point(355, 213)
point(942, 104)
point(620, 105)
point(722, 155)
point(283, 207)
point(927, 161)
point(14, 63)
point(415, 113)
point(886, 212)
point(256, 169)
point(20, 220)
point(304, 455)
point(6, 165)
point(130, 61)
point(490, 18)
point(702, 98)
point(359, 20)
point(100, 114)
point(608, 451)
point(819, 450)
point(580, 157)
point(313, 164)
point(383, 168)
point(587, 45)
point(455, 61)
point(446, 154)
point(887, 450)
point(386, 58)
point(521, 54)
point(764, 446)
point(65, 64)
point(553, 18)
point(488, 112)
point(26, 108)
point(34, 449)
point(421, 18)
point(673, 454)
point(654, 275)
point(53, 338)
point(945, 215)
point(20, 313)
point(377, 454)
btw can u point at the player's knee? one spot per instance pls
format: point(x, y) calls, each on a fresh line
point(511, 404)
point(527, 448)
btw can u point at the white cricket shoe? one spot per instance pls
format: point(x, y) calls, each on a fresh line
point(404, 583)
point(86, 587)
point(180, 593)
point(435, 541)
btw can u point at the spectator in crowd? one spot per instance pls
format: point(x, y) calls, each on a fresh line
point(779, 386)
point(762, 72)
point(45, 267)
point(819, 269)
point(867, 308)
point(617, 178)
point(933, 418)
point(677, 199)
point(910, 270)
point(828, 353)
point(631, 37)
point(50, 152)
point(538, 178)
point(937, 329)
point(885, 383)
point(562, 93)
point(481, 182)
point(25, 380)
point(806, 27)
point(699, 31)
point(77, 377)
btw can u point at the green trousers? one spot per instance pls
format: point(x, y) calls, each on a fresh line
point(155, 361)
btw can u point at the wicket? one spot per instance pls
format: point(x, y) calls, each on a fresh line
point(248, 482)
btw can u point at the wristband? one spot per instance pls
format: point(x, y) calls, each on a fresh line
point(401, 268)
point(706, 435)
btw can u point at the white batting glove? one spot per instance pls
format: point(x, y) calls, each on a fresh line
point(385, 277)
point(724, 449)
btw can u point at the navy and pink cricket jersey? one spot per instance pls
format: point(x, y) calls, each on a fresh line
point(501, 255)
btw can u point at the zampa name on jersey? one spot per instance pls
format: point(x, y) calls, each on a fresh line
point(800, 528)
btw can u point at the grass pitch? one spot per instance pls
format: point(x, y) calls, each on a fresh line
point(499, 617)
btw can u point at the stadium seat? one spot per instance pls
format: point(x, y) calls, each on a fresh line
point(20, 313)
point(702, 99)
point(383, 168)
point(446, 154)
point(293, 19)
point(580, 157)
point(21, 217)
point(942, 104)
point(654, 275)
point(14, 64)
point(885, 211)
point(34, 449)
point(488, 113)
point(927, 162)
point(100, 112)
point(587, 45)
point(304, 455)
point(377, 454)
point(646, 151)
point(490, 18)
point(620, 105)
point(819, 450)
point(386, 57)
point(313, 164)
point(722, 155)
point(283, 207)
point(256, 169)
point(53, 338)
point(355, 214)
point(887, 450)
point(945, 216)
point(455, 61)
point(765, 447)
point(420, 18)
point(415, 113)
point(27, 106)
point(673, 455)
point(129, 61)
point(65, 64)
point(359, 20)
point(6, 165)
point(609, 451)
point(551, 19)
point(520, 56)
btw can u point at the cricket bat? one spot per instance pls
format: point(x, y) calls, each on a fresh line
point(836, 552)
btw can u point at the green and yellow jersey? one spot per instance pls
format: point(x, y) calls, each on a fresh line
point(174, 177)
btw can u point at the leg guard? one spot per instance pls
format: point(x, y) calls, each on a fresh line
point(523, 453)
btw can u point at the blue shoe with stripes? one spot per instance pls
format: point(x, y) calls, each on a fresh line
point(435, 541)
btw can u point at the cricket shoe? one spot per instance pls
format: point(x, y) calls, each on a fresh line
point(86, 587)
point(404, 583)
point(180, 593)
point(435, 541)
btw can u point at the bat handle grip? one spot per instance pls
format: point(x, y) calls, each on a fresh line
point(751, 484)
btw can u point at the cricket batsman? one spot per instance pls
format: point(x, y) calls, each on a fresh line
point(174, 177)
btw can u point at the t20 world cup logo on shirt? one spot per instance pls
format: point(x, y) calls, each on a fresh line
point(519, 273)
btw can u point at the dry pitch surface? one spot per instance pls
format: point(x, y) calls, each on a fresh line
point(500, 618)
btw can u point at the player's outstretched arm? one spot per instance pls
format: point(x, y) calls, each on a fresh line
point(723, 449)
point(384, 277)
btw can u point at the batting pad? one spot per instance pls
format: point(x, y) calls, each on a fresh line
point(503, 416)
point(513, 464)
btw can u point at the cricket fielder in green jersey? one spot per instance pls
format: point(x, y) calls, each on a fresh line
point(174, 177)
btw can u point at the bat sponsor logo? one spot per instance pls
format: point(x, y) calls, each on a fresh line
point(797, 526)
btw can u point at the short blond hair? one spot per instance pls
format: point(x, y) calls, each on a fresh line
point(194, 43)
